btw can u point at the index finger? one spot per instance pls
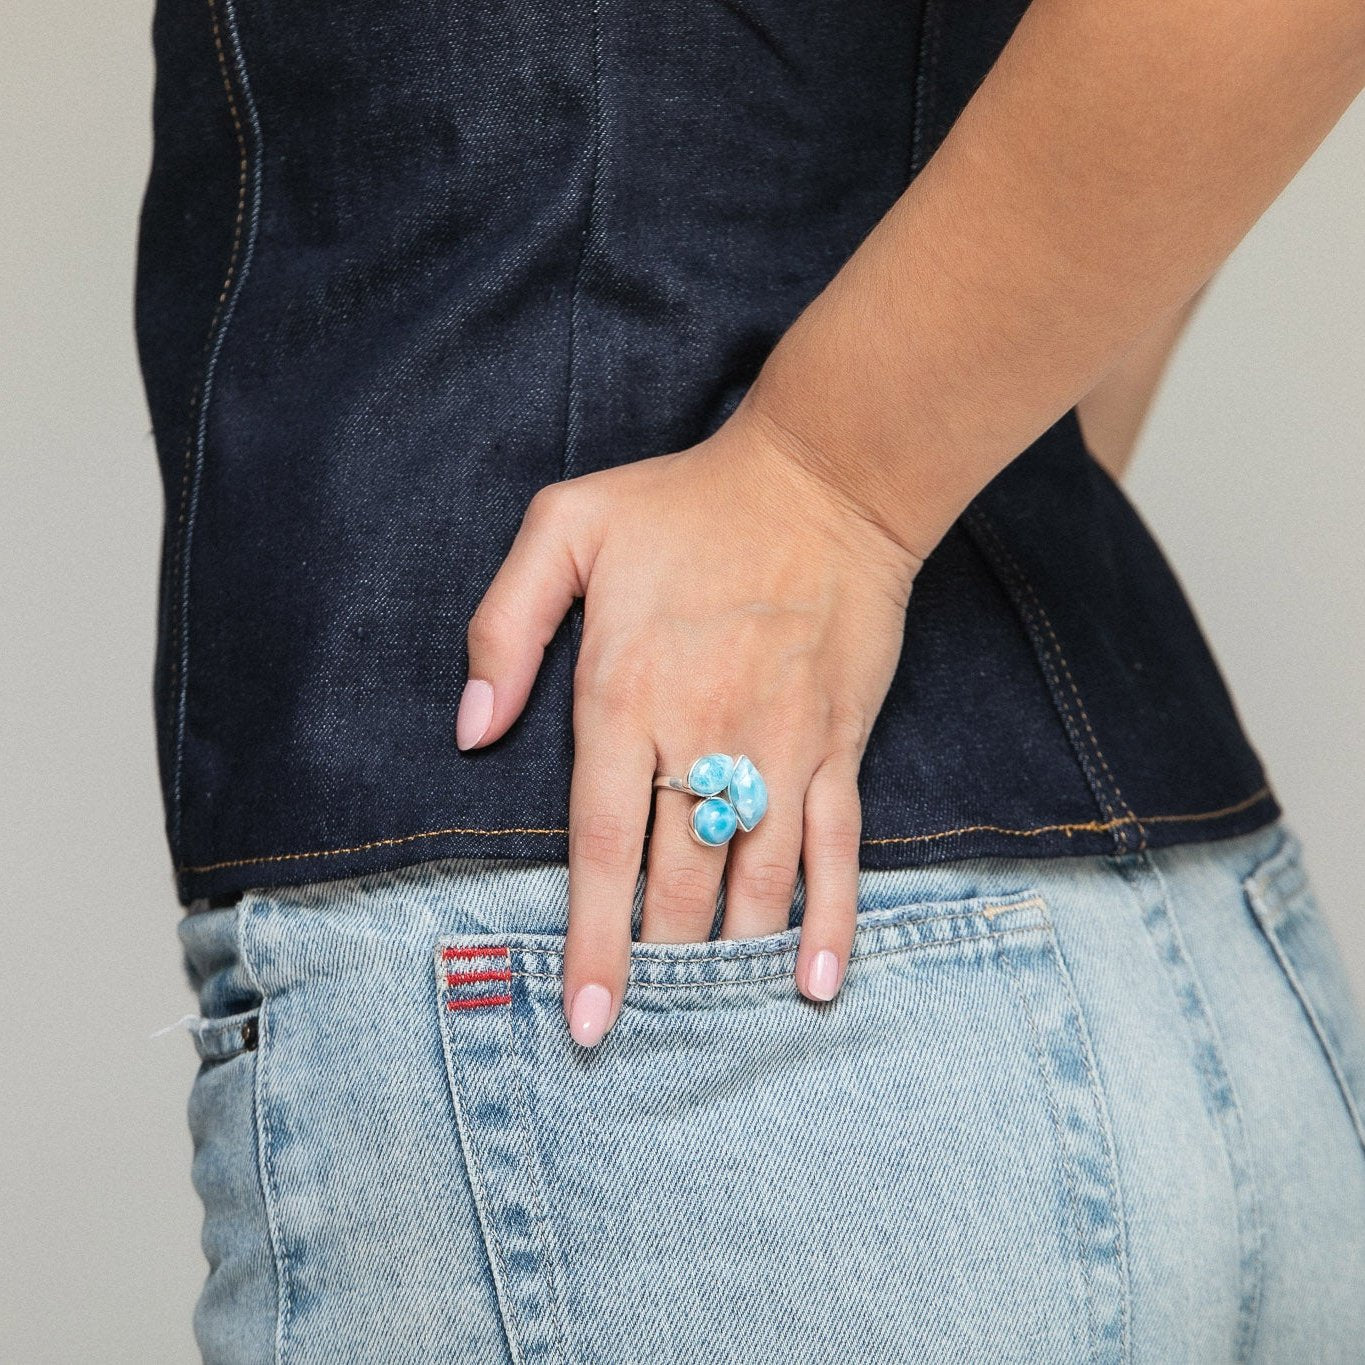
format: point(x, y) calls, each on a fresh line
point(609, 800)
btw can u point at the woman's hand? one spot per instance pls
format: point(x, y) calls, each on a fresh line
point(748, 595)
point(733, 601)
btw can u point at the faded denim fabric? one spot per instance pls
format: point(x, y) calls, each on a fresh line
point(1090, 1109)
point(400, 266)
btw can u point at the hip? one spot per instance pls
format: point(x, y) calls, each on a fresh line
point(1082, 1108)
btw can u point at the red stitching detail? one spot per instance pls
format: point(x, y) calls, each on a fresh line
point(502, 973)
point(468, 978)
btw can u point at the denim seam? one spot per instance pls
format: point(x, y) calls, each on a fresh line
point(1073, 827)
point(572, 420)
point(536, 1181)
point(1085, 1045)
point(1029, 605)
point(478, 1190)
point(1261, 887)
point(1281, 871)
point(985, 912)
point(1221, 1097)
point(1063, 1147)
point(926, 63)
point(239, 264)
point(505, 1284)
point(1030, 608)
point(265, 1146)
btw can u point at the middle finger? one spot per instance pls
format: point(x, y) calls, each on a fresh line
point(760, 876)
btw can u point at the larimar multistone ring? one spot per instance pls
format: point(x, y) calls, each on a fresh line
point(733, 795)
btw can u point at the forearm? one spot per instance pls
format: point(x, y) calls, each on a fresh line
point(1112, 413)
point(1114, 156)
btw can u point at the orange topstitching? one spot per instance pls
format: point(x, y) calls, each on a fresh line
point(1080, 827)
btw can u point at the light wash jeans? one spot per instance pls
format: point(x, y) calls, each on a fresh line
point(1083, 1109)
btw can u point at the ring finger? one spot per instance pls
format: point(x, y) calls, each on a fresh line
point(682, 876)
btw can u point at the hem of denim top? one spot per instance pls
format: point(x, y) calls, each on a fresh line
point(367, 868)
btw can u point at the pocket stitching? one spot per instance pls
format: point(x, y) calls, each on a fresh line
point(1272, 905)
point(1097, 1330)
point(711, 951)
point(692, 967)
point(782, 976)
point(508, 1282)
point(1064, 1150)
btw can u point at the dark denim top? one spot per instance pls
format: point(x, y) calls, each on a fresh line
point(400, 265)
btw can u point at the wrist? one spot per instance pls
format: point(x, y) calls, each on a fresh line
point(861, 473)
point(787, 458)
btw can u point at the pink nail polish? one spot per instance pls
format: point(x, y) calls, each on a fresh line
point(588, 1014)
point(822, 980)
point(475, 713)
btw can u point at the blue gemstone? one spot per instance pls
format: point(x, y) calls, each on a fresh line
point(714, 820)
point(748, 793)
point(708, 775)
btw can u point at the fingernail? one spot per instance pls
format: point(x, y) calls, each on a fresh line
point(475, 713)
point(589, 1013)
point(822, 980)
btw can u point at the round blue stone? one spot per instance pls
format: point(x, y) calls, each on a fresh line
point(748, 793)
point(714, 820)
point(709, 774)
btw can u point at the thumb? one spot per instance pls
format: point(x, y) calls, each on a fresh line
point(517, 616)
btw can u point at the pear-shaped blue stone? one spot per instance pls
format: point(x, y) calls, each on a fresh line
point(714, 820)
point(748, 793)
point(709, 774)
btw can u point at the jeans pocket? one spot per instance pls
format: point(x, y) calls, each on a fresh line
point(1284, 906)
point(921, 1168)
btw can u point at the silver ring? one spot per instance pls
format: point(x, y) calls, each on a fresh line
point(733, 796)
